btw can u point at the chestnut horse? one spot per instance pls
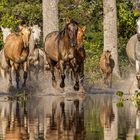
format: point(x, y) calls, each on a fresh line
point(79, 55)
point(16, 50)
point(60, 48)
point(106, 65)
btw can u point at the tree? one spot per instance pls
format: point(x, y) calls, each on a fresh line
point(50, 16)
point(110, 31)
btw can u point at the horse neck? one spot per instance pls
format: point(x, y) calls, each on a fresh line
point(31, 44)
point(66, 41)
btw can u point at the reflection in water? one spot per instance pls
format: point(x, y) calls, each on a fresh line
point(42, 118)
point(94, 117)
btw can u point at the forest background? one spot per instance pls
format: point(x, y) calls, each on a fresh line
point(88, 13)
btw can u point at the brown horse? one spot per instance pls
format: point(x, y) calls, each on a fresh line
point(80, 55)
point(106, 65)
point(60, 48)
point(16, 50)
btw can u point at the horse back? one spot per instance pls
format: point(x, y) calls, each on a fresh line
point(51, 45)
point(13, 46)
point(130, 49)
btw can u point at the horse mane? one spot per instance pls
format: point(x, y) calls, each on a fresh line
point(61, 34)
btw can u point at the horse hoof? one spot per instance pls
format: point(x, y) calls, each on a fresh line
point(23, 85)
point(62, 85)
point(76, 87)
point(54, 84)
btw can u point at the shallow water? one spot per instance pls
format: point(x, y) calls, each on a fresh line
point(68, 117)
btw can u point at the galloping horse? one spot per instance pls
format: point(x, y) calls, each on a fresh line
point(80, 53)
point(16, 50)
point(60, 48)
point(133, 51)
point(33, 58)
point(106, 65)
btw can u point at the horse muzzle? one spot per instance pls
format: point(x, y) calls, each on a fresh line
point(73, 42)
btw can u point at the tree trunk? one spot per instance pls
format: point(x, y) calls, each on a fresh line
point(110, 31)
point(50, 16)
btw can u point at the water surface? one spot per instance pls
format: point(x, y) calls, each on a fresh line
point(72, 117)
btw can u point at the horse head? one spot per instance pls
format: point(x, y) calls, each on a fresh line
point(107, 56)
point(36, 32)
point(80, 34)
point(25, 32)
point(71, 29)
point(5, 32)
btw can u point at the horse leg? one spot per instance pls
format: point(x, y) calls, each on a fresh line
point(16, 67)
point(62, 83)
point(75, 71)
point(29, 71)
point(137, 66)
point(36, 72)
point(10, 76)
point(81, 73)
point(25, 74)
point(52, 68)
point(109, 80)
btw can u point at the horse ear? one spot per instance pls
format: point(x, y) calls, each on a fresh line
point(1, 28)
point(84, 28)
point(20, 27)
point(68, 20)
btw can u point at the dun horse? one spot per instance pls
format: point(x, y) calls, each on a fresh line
point(16, 50)
point(106, 65)
point(60, 48)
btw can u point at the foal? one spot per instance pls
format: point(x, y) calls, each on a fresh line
point(106, 65)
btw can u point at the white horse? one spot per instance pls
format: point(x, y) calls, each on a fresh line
point(133, 48)
point(3, 65)
point(5, 32)
point(133, 53)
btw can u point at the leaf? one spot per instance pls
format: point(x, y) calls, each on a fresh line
point(119, 93)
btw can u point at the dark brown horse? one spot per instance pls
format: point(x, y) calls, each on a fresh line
point(16, 50)
point(106, 65)
point(60, 48)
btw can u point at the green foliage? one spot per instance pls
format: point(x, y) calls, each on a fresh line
point(19, 12)
point(119, 93)
point(86, 12)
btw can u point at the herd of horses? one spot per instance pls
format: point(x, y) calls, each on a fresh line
point(62, 50)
